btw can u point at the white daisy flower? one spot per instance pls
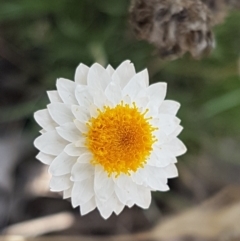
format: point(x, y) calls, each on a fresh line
point(109, 138)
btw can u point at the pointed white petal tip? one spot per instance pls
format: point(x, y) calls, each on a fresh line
point(45, 158)
point(44, 119)
point(61, 183)
point(54, 96)
point(110, 70)
point(81, 74)
point(62, 164)
point(50, 143)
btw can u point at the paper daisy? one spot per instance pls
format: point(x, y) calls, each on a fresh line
point(109, 138)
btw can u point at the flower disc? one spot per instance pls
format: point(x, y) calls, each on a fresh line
point(120, 139)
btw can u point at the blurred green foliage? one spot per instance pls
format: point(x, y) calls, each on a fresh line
point(48, 39)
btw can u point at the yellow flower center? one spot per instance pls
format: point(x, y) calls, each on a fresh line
point(120, 139)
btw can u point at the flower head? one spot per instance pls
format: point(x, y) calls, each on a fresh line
point(109, 138)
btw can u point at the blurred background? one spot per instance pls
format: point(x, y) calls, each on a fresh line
point(43, 40)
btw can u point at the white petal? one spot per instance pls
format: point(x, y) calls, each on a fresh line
point(69, 132)
point(135, 88)
point(82, 192)
point(152, 177)
point(93, 110)
point(114, 93)
point(157, 179)
point(110, 70)
point(142, 78)
point(60, 113)
point(130, 203)
point(62, 164)
point(100, 99)
point(169, 107)
point(140, 195)
point(42, 131)
point(175, 133)
point(140, 176)
point(161, 136)
point(168, 123)
point(124, 73)
point(82, 171)
point(145, 76)
point(152, 110)
point(175, 146)
point(142, 102)
point(123, 181)
point(122, 194)
point(45, 158)
point(54, 96)
point(111, 205)
point(85, 158)
point(105, 208)
point(82, 127)
point(158, 185)
point(72, 150)
point(80, 113)
point(81, 74)
point(60, 183)
point(171, 171)
point(44, 119)
point(161, 160)
point(154, 121)
point(81, 142)
point(127, 100)
point(67, 193)
point(50, 143)
point(66, 90)
point(161, 157)
point(98, 77)
point(88, 206)
point(119, 208)
point(103, 184)
point(157, 92)
point(114, 204)
point(83, 96)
